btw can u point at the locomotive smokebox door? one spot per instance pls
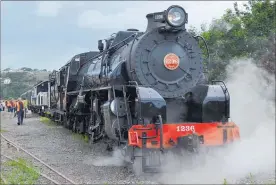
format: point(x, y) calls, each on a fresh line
point(170, 62)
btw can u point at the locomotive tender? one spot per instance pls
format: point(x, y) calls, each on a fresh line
point(145, 91)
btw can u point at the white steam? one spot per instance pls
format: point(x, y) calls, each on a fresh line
point(116, 159)
point(252, 93)
point(253, 109)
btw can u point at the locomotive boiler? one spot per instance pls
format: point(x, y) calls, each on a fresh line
point(145, 92)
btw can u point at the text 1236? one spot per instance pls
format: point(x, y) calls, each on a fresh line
point(185, 128)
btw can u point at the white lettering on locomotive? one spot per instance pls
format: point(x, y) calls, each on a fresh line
point(185, 128)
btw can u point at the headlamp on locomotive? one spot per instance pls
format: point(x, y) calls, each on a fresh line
point(173, 19)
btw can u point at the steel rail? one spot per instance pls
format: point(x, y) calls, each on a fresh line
point(20, 148)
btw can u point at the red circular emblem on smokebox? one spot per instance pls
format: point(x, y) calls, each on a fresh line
point(171, 61)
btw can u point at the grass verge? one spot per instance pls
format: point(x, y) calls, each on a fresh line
point(47, 121)
point(82, 137)
point(271, 182)
point(251, 180)
point(2, 181)
point(20, 172)
point(2, 130)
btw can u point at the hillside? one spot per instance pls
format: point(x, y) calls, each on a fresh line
point(21, 80)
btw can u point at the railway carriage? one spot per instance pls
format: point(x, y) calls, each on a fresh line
point(37, 97)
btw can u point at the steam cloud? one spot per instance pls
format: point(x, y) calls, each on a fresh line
point(116, 159)
point(252, 93)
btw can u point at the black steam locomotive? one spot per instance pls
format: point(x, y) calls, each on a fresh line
point(145, 91)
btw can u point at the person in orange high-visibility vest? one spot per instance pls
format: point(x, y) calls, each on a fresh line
point(8, 105)
point(6, 102)
point(20, 111)
point(14, 105)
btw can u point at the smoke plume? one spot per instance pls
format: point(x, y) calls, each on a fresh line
point(252, 93)
point(116, 159)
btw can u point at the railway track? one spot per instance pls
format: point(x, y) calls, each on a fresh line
point(51, 175)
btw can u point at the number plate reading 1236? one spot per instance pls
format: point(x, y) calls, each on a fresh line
point(185, 128)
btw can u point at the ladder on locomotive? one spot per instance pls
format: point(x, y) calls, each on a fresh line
point(129, 120)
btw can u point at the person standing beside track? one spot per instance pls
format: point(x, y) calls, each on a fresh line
point(13, 109)
point(20, 111)
point(3, 105)
point(8, 105)
point(25, 102)
point(12, 105)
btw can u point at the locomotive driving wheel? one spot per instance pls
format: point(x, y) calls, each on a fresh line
point(74, 127)
point(94, 129)
point(66, 122)
point(91, 138)
point(81, 128)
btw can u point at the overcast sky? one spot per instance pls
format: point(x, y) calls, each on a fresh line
point(46, 34)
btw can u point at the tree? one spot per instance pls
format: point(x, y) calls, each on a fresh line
point(242, 33)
